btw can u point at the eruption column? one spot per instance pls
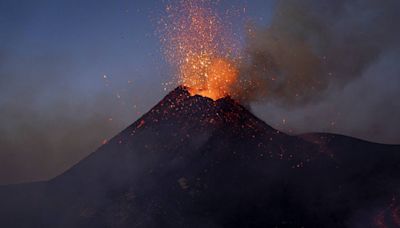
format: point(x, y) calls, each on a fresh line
point(201, 48)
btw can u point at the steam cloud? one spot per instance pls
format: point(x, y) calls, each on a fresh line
point(315, 45)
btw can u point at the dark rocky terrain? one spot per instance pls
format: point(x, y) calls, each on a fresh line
point(194, 162)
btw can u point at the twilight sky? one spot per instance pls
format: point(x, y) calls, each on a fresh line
point(73, 73)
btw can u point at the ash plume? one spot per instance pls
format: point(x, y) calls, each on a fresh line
point(312, 46)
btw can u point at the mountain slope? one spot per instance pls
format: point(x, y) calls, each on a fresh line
point(194, 162)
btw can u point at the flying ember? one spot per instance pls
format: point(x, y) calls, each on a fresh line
point(201, 48)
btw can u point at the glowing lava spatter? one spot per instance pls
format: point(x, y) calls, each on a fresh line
point(201, 47)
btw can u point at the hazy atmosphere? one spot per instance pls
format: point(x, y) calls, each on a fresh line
point(75, 73)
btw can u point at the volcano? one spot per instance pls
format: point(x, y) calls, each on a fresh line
point(195, 162)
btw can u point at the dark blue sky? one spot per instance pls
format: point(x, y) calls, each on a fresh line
point(63, 48)
point(75, 72)
point(55, 104)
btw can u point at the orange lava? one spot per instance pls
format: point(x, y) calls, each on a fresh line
point(201, 48)
point(214, 80)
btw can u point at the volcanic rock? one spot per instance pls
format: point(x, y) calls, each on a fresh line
point(195, 162)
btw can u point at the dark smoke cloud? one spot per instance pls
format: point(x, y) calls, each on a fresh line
point(313, 46)
point(367, 107)
point(335, 55)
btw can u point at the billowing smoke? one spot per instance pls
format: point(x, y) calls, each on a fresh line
point(315, 45)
